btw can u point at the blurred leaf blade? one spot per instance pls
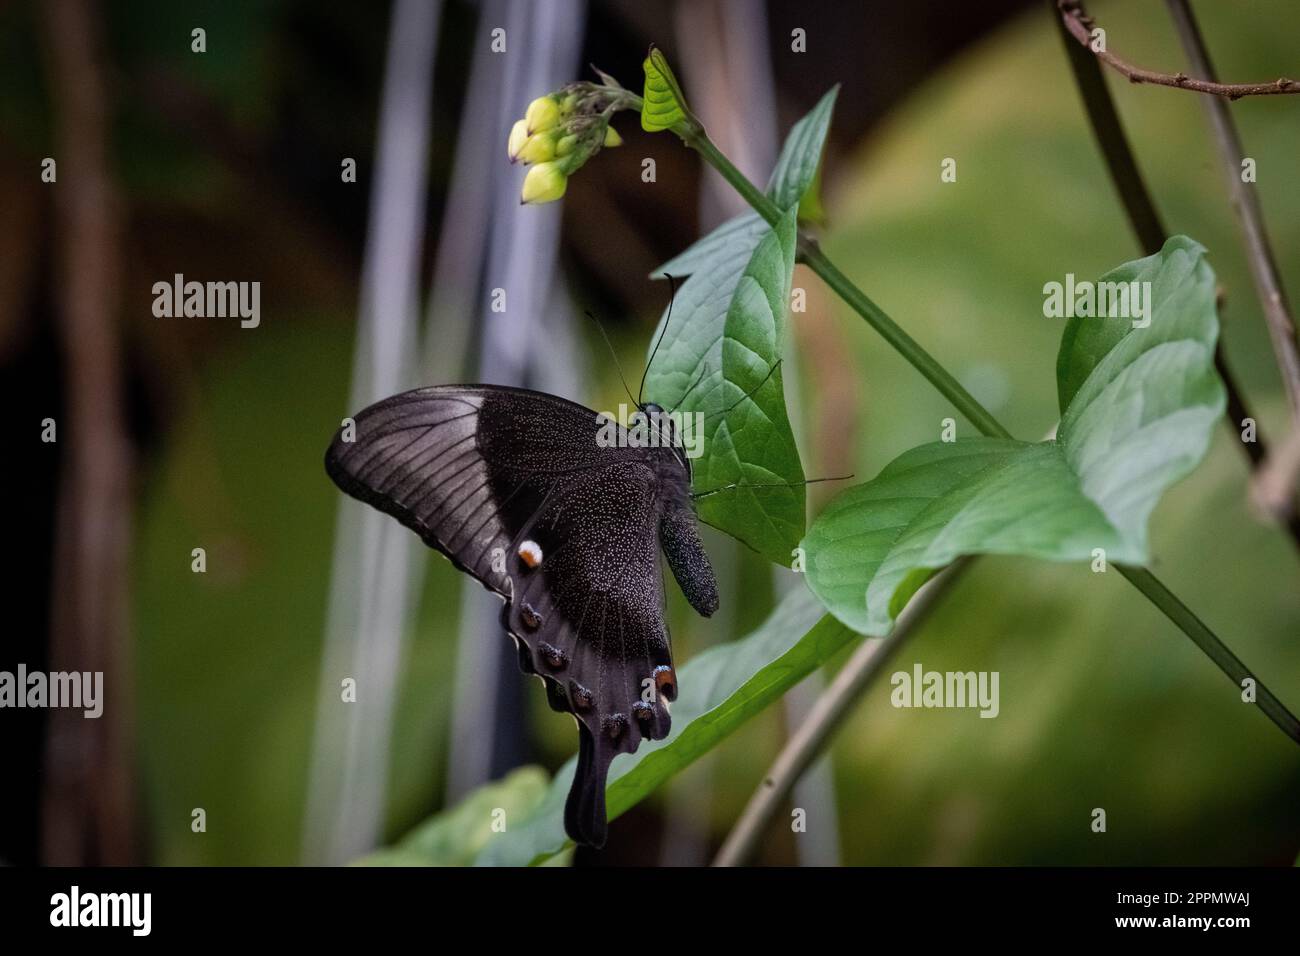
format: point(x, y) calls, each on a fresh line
point(455, 836)
point(719, 690)
point(811, 209)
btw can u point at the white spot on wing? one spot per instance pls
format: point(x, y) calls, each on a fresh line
point(531, 553)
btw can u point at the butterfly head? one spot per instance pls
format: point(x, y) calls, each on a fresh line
point(653, 418)
point(662, 426)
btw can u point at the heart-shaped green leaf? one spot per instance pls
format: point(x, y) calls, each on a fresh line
point(1140, 406)
point(455, 836)
point(720, 690)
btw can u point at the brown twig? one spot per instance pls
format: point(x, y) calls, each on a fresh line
point(87, 807)
point(1080, 26)
point(1145, 220)
point(1245, 202)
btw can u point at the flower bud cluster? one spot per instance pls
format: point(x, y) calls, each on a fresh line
point(559, 133)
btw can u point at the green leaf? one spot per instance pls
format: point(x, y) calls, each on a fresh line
point(1142, 404)
point(1086, 341)
point(720, 350)
point(801, 155)
point(719, 690)
point(662, 104)
point(455, 836)
point(1142, 418)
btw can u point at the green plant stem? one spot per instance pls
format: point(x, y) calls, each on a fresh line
point(904, 344)
point(1214, 649)
point(694, 136)
point(699, 141)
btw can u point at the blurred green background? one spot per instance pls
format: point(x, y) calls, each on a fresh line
point(1104, 703)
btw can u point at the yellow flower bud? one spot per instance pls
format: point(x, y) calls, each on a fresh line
point(543, 113)
point(565, 146)
point(518, 136)
point(538, 148)
point(545, 182)
point(612, 138)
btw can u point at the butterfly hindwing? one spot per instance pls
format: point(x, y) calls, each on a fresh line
point(515, 488)
point(591, 614)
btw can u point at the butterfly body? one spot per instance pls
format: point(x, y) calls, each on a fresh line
point(520, 491)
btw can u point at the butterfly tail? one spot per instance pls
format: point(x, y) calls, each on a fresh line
point(584, 812)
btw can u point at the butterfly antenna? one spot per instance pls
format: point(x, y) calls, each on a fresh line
point(672, 295)
point(750, 393)
point(769, 484)
point(614, 356)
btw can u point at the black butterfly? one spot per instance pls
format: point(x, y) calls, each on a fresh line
point(518, 489)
